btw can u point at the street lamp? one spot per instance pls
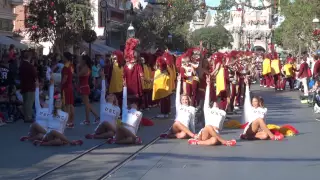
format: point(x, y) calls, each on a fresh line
point(131, 31)
point(170, 38)
point(316, 23)
point(104, 5)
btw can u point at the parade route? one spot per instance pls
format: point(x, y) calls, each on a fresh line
point(23, 160)
point(294, 158)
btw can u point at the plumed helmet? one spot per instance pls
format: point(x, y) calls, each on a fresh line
point(161, 63)
point(118, 56)
point(130, 50)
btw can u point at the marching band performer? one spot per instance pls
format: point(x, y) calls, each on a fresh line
point(254, 114)
point(147, 84)
point(214, 118)
point(187, 72)
point(275, 71)
point(133, 71)
point(288, 71)
point(183, 127)
point(266, 71)
point(196, 57)
point(221, 78)
point(109, 113)
point(116, 77)
point(162, 87)
point(126, 132)
point(48, 130)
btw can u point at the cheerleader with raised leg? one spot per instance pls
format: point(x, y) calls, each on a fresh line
point(183, 126)
point(214, 118)
point(254, 115)
point(109, 113)
point(126, 131)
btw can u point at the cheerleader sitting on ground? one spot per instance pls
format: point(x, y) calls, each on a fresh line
point(126, 131)
point(109, 113)
point(254, 114)
point(214, 118)
point(50, 122)
point(183, 127)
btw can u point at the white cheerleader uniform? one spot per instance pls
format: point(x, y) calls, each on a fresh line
point(213, 116)
point(250, 113)
point(184, 114)
point(108, 112)
point(42, 114)
point(45, 117)
point(131, 118)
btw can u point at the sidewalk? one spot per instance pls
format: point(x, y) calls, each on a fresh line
point(294, 158)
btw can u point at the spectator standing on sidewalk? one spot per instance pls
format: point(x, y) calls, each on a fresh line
point(303, 75)
point(28, 75)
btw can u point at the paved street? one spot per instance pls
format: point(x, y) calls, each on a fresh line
point(295, 158)
point(22, 160)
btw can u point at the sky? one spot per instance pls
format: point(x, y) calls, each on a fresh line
point(213, 2)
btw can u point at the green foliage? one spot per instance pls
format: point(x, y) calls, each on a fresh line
point(296, 31)
point(58, 21)
point(223, 15)
point(215, 37)
point(153, 29)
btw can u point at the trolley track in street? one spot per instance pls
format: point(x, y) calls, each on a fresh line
point(111, 170)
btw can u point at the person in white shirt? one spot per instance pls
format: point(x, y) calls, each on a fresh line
point(48, 130)
point(214, 118)
point(184, 126)
point(109, 113)
point(126, 131)
point(254, 115)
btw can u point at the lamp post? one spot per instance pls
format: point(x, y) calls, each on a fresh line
point(104, 5)
point(170, 38)
point(131, 31)
point(316, 23)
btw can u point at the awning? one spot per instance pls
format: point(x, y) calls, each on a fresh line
point(8, 41)
point(98, 48)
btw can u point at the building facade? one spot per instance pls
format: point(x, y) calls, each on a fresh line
point(251, 29)
point(7, 16)
point(109, 21)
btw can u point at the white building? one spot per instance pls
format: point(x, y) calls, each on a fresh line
point(250, 28)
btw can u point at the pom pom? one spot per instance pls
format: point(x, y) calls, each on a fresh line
point(232, 124)
point(273, 126)
point(146, 122)
point(57, 96)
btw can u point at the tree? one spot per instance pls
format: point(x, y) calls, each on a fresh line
point(296, 30)
point(223, 15)
point(214, 37)
point(153, 29)
point(60, 22)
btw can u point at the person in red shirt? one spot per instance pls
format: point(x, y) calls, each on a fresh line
point(28, 76)
point(67, 88)
point(316, 68)
point(303, 75)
